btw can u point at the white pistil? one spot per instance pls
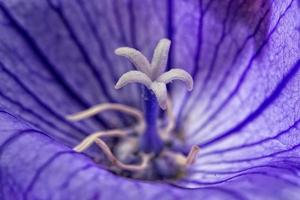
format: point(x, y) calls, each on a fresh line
point(151, 75)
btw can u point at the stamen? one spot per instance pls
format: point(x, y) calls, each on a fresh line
point(191, 158)
point(88, 141)
point(111, 106)
point(95, 137)
point(145, 158)
point(182, 160)
point(103, 107)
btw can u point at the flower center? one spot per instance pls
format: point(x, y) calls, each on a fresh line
point(144, 151)
point(132, 155)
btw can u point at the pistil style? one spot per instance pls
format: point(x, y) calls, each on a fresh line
point(151, 75)
point(151, 141)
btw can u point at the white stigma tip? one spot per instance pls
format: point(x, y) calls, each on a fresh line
point(177, 74)
point(151, 75)
point(160, 58)
point(140, 62)
point(133, 77)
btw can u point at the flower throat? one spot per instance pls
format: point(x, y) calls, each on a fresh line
point(143, 151)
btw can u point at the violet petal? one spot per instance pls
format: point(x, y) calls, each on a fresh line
point(244, 110)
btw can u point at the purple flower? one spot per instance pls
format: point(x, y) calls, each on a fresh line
point(57, 58)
